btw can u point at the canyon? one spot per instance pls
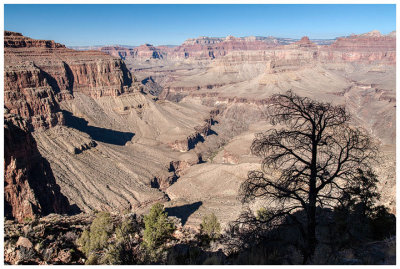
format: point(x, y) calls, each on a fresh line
point(118, 128)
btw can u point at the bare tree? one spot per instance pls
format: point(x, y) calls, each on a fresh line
point(307, 162)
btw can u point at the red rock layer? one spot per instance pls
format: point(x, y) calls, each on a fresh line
point(17, 40)
point(29, 186)
point(365, 42)
point(27, 93)
point(370, 47)
point(209, 48)
point(38, 74)
point(197, 48)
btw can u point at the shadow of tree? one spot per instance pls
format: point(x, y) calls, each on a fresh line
point(190, 253)
point(97, 133)
point(253, 241)
point(183, 212)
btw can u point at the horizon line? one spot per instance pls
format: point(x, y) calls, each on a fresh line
point(221, 37)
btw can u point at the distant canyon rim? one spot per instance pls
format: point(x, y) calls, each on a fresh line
point(119, 128)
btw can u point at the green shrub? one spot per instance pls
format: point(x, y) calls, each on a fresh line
point(123, 232)
point(84, 242)
point(113, 255)
point(158, 227)
point(119, 252)
point(210, 227)
point(263, 214)
point(97, 237)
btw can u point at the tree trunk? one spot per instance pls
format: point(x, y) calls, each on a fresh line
point(311, 210)
point(311, 236)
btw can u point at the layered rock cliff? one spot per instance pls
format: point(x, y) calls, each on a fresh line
point(17, 40)
point(141, 53)
point(210, 48)
point(38, 75)
point(368, 48)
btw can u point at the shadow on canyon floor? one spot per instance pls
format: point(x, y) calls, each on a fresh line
point(97, 133)
point(184, 211)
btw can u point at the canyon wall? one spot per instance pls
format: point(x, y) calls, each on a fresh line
point(29, 185)
point(143, 52)
point(368, 47)
point(38, 75)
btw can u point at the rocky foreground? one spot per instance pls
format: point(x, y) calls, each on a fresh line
point(54, 239)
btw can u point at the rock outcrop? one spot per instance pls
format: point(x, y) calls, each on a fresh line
point(48, 240)
point(198, 136)
point(17, 40)
point(29, 185)
point(64, 70)
point(305, 42)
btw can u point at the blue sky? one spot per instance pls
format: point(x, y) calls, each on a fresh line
point(172, 24)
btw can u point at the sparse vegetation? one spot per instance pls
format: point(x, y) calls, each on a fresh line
point(96, 238)
point(120, 250)
point(102, 244)
point(27, 220)
point(158, 228)
point(358, 219)
point(210, 227)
